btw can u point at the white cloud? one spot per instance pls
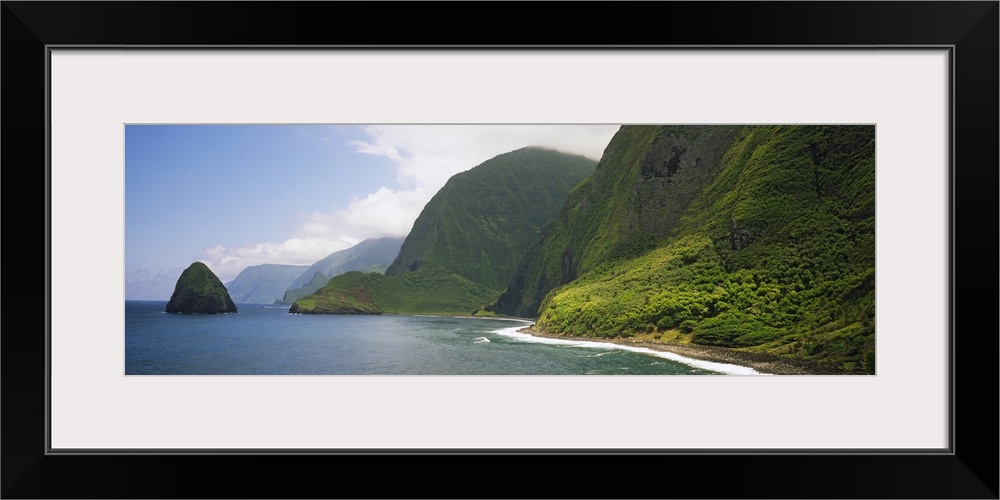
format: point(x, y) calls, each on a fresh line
point(227, 262)
point(425, 157)
point(379, 150)
point(385, 212)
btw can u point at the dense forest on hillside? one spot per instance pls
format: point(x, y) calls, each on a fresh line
point(774, 252)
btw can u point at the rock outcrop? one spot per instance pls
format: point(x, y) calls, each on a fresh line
point(199, 291)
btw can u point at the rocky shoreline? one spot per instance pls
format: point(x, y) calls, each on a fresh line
point(763, 363)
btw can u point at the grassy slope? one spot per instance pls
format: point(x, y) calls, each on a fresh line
point(775, 255)
point(468, 238)
point(420, 292)
point(293, 294)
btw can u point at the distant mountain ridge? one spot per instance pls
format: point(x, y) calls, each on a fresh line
point(263, 284)
point(371, 255)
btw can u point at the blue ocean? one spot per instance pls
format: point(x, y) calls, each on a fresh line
point(267, 340)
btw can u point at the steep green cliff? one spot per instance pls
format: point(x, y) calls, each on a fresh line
point(641, 187)
point(199, 291)
point(480, 223)
point(469, 237)
point(769, 247)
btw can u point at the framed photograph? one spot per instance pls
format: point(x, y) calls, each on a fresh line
point(122, 121)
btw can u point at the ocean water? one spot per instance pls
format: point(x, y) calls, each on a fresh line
point(266, 340)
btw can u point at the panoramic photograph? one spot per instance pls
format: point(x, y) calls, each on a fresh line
point(604, 249)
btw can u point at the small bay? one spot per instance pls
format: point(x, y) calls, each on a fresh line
point(266, 340)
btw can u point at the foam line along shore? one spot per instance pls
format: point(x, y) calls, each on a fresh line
point(721, 359)
point(724, 366)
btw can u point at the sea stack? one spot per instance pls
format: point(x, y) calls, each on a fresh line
point(199, 291)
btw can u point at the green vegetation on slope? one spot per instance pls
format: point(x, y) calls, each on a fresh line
point(349, 294)
point(421, 292)
point(639, 190)
point(481, 222)
point(468, 238)
point(291, 295)
point(199, 291)
point(774, 254)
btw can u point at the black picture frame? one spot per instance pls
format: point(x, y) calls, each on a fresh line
point(970, 470)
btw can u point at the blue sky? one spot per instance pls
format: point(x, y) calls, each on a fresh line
point(233, 196)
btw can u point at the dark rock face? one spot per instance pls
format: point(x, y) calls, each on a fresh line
point(199, 291)
point(674, 170)
point(739, 238)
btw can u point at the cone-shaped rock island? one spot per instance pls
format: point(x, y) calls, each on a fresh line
point(199, 291)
